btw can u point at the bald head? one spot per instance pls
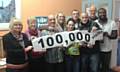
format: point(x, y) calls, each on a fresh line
point(51, 20)
point(51, 16)
point(83, 14)
point(84, 18)
point(93, 12)
point(93, 8)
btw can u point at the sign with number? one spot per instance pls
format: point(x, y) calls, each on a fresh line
point(65, 39)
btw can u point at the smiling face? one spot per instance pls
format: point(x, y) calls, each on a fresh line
point(16, 26)
point(102, 14)
point(51, 20)
point(60, 18)
point(32, 24)
point(75, 15)
point(92, 11)
point(70, 25)
point(84, 18)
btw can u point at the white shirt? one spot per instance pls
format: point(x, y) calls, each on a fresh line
point(108, 27)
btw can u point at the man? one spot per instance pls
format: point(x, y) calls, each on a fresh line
point(60, 18)
point(110, 32)
point(89, 52)
point(54, 56)
point(75, 17)
point(93, 16)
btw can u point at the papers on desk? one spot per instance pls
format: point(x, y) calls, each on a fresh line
point(2, 61)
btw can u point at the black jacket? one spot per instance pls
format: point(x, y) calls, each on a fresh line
point(96, 47)
point(15, 53)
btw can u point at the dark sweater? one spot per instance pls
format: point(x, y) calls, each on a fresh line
point(15, 53)
point(85, 50)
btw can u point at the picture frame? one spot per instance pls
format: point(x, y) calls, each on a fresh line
point(41, 20)
point(9, 9)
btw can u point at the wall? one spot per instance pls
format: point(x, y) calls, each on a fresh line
point(45, 7)
point(99, 4)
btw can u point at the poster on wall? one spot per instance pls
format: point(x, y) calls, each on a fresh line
point(41, 20)
point(9, 9)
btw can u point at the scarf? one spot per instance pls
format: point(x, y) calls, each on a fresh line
point(33, 32)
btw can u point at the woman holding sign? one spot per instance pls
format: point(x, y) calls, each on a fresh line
point(72, 52)
point(37, 58)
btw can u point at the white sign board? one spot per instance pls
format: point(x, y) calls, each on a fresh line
point(65, 39)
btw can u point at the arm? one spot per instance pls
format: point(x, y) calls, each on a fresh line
point(113, 35)
point(95, 27)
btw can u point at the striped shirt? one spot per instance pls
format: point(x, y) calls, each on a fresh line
point(53, 55)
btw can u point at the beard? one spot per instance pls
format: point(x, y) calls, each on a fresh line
point(103, 18)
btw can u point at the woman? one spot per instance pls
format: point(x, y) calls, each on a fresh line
point(17, 47)
point(37, 61)
point(32, 31)
point(72, 52)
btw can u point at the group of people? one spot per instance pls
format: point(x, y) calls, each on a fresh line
point(77, 57)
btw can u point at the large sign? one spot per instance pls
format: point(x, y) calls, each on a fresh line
point(65, 39)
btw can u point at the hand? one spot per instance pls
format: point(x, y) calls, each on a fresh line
point(90, 45)
point(50, 28)
point(105, 34)
point(94, 29)
point(83, 44)
point(41, 51)
point(28, 48)
point(33, 37)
